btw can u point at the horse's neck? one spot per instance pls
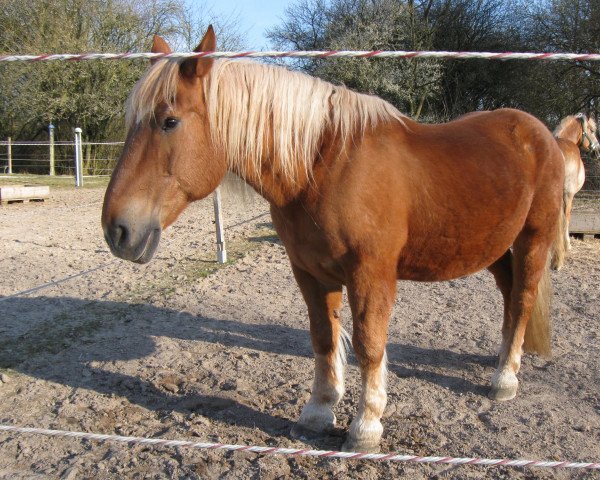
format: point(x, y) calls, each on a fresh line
point(271, 184)
point(273, 188)
point(280, 189)
point(571, 130)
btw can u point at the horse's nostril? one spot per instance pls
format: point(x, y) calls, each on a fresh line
point(119, 235)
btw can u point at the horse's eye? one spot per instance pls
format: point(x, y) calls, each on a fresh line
point(170, 123)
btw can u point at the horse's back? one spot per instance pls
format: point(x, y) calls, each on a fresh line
point(482, 178)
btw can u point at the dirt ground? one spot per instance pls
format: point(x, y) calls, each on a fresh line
point(182, 348)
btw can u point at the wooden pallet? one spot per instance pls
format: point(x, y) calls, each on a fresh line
point(585, 225)
point(23, 193)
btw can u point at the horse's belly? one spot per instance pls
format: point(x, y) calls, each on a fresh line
point(436, 270)
point(435, 257)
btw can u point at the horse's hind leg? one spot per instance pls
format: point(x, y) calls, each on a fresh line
point(327, 336)
point(529, 266)
point(503, 274)
point(371, 294)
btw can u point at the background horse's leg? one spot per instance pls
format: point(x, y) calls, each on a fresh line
point(568, 199)
point(328, 341)
point(371, 293)
point(529, 301)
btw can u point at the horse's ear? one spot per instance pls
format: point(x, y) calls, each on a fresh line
point(198, 67)
point(159, 46)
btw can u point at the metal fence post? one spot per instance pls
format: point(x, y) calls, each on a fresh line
point(78, 159)
point(51, 142)
point(9, 152)
point(221, 251)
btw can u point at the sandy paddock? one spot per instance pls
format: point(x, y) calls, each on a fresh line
point(180, 348)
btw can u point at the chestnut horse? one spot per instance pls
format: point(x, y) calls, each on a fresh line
point(575, 132)
point(360, 195)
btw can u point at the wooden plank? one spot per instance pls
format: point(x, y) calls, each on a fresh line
point(21, 200)
point(22, 193)
point(585, 223)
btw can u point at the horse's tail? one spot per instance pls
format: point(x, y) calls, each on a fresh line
point(537, 333)
point(559, 247)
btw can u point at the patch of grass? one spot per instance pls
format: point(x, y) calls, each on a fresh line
point(587, 200)
point(56, 181)
point(186, 272)
point(265, 233)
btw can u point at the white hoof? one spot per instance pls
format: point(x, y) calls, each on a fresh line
point(504, 386)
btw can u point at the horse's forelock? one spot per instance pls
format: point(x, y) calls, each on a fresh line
point(158, 85)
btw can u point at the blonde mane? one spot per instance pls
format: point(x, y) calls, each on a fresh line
point(259, 112)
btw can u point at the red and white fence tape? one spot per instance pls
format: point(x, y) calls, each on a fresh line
point(578, 57)
point(382, 457)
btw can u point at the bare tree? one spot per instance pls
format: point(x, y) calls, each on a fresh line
point(444, 90)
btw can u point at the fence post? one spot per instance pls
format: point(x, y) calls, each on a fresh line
point(78, 159)
point(51, 142)
point(9, 148)
point(221, 251)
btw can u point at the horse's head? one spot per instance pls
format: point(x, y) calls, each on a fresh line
point(169, 159)
point(589, 139)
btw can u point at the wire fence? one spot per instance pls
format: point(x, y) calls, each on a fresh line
point(99, 159)
point(58, 157)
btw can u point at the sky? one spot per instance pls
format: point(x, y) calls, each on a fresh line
point(255, 16)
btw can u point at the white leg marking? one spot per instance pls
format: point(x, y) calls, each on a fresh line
point(328, 387)
point(366, 428)
point(504, 381)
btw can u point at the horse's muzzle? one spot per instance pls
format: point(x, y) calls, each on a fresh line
point(136, 244)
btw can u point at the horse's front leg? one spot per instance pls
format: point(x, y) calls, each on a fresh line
point(327, 336)
point(371, 292)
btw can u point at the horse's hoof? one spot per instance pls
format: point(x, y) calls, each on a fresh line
point(504, 386)
point(361, 446)
point(503, 394)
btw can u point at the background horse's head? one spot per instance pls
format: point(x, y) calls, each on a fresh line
point(169, 158)
point(589, 139)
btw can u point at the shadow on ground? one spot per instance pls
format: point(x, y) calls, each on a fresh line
point(57, 338)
